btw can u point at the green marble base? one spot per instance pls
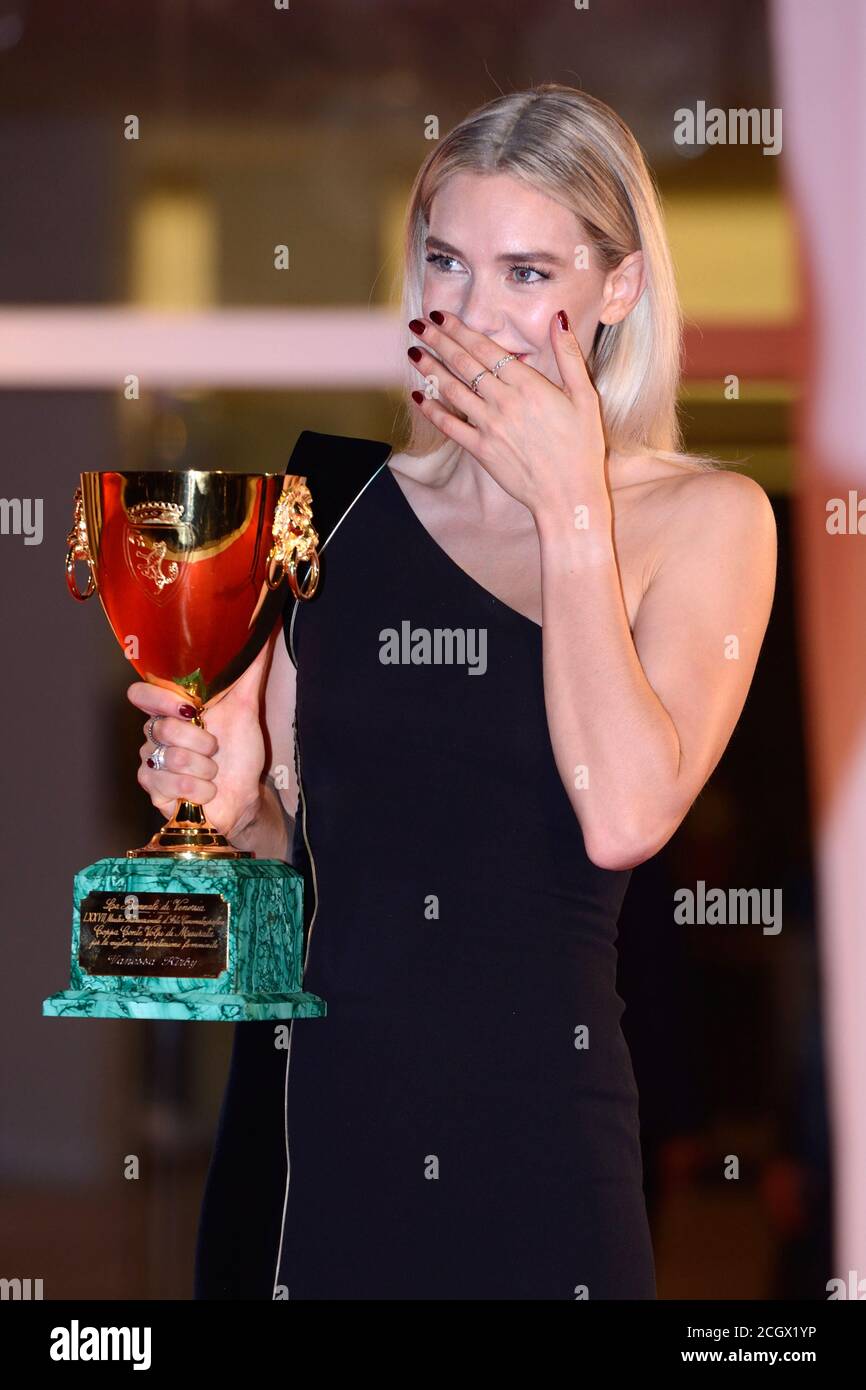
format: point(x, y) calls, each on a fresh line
point(253, 957)
point(194, 1004)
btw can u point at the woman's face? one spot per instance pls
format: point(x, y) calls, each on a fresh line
point(504, 258)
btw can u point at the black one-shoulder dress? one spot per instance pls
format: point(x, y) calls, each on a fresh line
point(463, 1124)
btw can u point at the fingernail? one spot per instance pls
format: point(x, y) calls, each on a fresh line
point(417, 397)
point(563, 320)
point(187, 711)
point(415, 354)
point(417, 326)
point(150, 762)
point(436, 316)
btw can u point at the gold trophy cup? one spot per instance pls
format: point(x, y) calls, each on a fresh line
point(188, 566)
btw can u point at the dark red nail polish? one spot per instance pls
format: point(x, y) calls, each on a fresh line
point(418, 397)
point(563, 320)
point(436, 316)
point(417, 326)
point(150, 762)
point(187, 711)
point(415, 354)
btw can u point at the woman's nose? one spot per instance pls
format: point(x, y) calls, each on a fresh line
point(481, 318)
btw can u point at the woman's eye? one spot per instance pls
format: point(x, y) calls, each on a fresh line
point(530, 269)
point(437, 257)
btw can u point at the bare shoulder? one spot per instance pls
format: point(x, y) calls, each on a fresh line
point(684, 501)
point(717, 508)
point(680, 520)
point(715, 549)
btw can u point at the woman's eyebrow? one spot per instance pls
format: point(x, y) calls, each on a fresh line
point(436, 244)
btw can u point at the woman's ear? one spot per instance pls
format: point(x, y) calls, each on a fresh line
point(623, 287)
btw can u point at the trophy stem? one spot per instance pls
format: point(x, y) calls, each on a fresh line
point(189, 835)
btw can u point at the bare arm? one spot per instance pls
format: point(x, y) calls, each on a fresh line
point(270, 831)
point(637, 723)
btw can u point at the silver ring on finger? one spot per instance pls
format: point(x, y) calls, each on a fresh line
point(148, 728)
point(157, 757)
point(475, 380)
point(512, 357)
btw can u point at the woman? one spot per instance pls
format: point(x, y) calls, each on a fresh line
point(536, 628)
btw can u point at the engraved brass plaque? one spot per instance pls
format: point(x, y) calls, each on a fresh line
point(152, 934)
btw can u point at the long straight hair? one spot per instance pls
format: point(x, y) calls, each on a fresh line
point(576, 149)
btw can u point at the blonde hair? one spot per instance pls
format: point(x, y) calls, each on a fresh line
point(577, 150)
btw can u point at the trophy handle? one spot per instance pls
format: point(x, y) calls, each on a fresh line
point(291, 569)
point(78, 548)
point(294, 539)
